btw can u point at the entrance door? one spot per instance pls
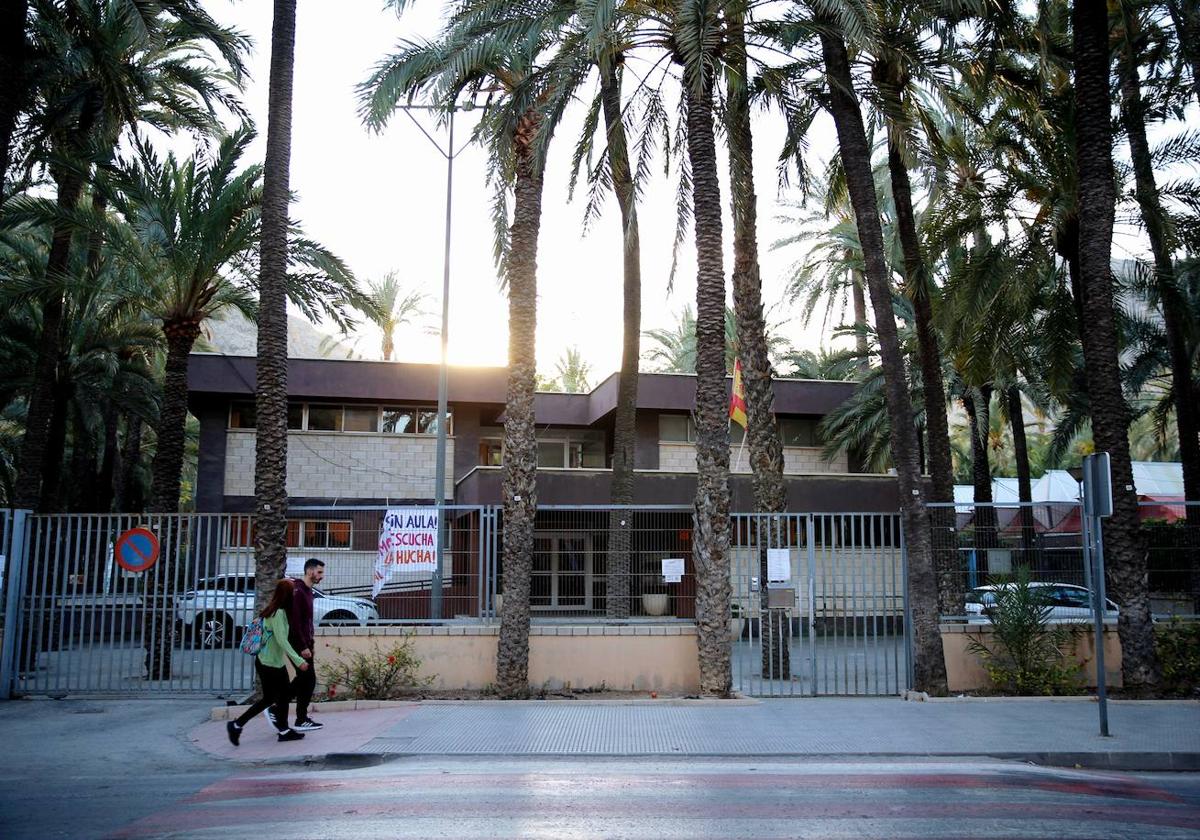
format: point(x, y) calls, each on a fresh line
point(562, 572)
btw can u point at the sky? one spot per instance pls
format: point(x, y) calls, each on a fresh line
point(378, 201)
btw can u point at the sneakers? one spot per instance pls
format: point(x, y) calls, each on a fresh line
point(291, 735)
point(234, 732)
point(307, 725)
point(269, 713)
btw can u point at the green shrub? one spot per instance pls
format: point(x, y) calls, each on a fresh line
point(1178, 646)
point(377, 675)
point(1027, 654)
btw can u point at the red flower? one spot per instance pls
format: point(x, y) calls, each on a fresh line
point(391, 660)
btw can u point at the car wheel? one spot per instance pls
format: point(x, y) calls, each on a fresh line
point(339, 618)
point(214, 631)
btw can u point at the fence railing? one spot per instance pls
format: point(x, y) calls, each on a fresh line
point(977, 544)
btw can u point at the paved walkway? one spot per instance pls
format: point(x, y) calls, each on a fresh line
point(1147, 735)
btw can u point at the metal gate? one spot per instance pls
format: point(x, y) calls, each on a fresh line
point(819, 605)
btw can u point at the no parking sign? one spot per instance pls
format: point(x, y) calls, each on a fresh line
point(136, 550)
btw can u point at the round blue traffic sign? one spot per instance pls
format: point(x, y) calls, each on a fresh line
point(136, 550)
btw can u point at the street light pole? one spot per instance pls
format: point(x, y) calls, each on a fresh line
point(443, 422)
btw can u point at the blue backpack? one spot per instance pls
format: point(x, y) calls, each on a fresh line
point(256, 634)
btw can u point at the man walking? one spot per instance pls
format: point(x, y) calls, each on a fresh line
point(300, 634)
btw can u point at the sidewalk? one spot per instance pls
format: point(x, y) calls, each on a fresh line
point(1146, 735)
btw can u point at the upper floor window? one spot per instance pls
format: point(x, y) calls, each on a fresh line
point(319, 417)
point(557, 449)
point(793, 431)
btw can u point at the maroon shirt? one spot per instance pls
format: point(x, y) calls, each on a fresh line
point(300, 616)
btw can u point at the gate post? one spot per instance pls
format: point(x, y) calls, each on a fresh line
point(18, 558)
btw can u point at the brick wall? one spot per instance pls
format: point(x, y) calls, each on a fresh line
point(368, 466)
point(797, 460)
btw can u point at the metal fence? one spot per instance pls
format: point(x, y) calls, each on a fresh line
point(819, 604)
point(977, 544)
point(79, 622)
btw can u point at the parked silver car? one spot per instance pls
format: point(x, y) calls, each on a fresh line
point(1067, 602)
point(213, 614)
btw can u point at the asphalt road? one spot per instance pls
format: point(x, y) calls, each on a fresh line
point(79, 769)
point(612, 799)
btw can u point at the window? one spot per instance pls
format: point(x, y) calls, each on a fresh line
point(242, 415)
point(491, 452)
point(398, 421)
point(358, 419)
point(301, 533)
point(573, 450)
point(550, 453)
point(676, 428)
point(319, 533)
point(799, 431)
point(324, 418)
point(427, 422)
point(295, 416)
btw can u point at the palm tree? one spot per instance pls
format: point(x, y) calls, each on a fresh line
point(1133, 38)
point(571, 373)
point(900, 55)
point(271, 391)
point(1125, 555)
point(762, 431)
point(470, 56)
point(929, 666)
point(832, 269)
point(673, 349)
point(108, 66)
point(13, 77)
point(394, 308)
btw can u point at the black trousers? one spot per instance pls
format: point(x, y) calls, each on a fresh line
point(277, 691)
point(303, 687)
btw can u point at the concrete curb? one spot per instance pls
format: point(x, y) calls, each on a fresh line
point(1109, 761)
point(337, 706)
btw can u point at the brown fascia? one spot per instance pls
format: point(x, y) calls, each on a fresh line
point(383, 382)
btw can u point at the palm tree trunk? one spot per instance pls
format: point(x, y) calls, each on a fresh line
point(158, 625)
point(711, 552)
point(1124, 552)
point(859, 298)
point(519, 482)
point(937, 425)
point(270, 437)
point(620, 526)
point(766, 448)
point(128, 495)
point(56, 443)
point(929, 667)
point(167, 467)
point(977, 402)
point(41, 399)
point(102, 501)
point(1016, 420)
point(1187, 410)
point(13, 17)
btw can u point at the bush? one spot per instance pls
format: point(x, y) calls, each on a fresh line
point(1028, 653)
point(377, 675)
point(1178, 645)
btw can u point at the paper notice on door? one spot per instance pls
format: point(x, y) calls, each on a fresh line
point(779, 565)
point(672, 569)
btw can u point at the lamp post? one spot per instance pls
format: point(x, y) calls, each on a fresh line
point(443, 421)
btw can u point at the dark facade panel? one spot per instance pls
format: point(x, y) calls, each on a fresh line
point(806, 494)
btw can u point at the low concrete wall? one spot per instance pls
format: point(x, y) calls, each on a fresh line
point(623, 658)
point(964, 671)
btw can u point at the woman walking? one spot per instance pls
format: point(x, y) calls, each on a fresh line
point(276, 686)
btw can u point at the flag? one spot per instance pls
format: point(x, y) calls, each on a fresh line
point(737, 399)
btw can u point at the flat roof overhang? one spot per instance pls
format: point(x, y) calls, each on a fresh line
point(812, 493)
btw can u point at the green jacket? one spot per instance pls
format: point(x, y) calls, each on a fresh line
point(277, 647)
